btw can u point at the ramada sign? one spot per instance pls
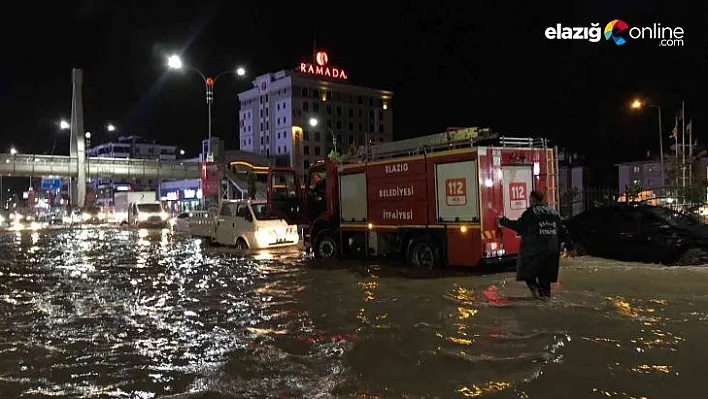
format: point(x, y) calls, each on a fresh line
point(320, 67)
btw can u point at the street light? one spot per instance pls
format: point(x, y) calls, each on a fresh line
point(314, 122)
point(638, 104)
point(111, 128)
point(63, 125)
point(13, 151)
point(181, 152)
point(175, 62)
point(88, 135)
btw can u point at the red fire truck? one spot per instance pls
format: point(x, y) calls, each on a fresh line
point(434, 200)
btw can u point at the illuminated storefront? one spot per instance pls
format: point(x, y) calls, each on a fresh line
point(182, 195)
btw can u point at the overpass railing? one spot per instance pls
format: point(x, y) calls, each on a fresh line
point(61, 165)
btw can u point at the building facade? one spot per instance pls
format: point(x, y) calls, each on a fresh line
point(275, 115)
point(645, 173)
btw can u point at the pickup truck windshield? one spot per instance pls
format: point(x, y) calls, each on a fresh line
point(261, 212)
point(149, 208)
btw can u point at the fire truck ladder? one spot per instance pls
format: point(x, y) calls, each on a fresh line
point(432, 143)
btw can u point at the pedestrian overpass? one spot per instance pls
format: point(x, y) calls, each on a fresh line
point(66, 166)
point(79, 168)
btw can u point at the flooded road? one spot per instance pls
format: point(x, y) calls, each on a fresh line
point(143, 314)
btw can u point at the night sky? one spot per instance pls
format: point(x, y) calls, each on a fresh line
point(468, 63)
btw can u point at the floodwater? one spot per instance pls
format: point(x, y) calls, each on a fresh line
point(113, 313)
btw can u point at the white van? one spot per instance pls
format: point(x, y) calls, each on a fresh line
point(147, 214)
point(246, 225)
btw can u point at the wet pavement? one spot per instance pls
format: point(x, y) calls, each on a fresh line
point(102, 312)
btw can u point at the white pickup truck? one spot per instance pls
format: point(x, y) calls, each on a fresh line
point(246, 224)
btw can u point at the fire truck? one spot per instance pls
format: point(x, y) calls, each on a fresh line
point(433, 200)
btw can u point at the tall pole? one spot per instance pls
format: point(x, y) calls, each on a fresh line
point(676, 148)
point(683, 141)
point(209, 82)
point(690, 153)
point(661, 150)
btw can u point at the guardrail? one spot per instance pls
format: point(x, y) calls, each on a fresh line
point(60, 165)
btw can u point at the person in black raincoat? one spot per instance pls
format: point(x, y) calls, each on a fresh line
point(541, 233)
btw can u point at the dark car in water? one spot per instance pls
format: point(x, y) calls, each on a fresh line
point(640, 233)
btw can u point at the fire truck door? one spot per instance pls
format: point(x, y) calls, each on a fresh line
point(284, 196)
point(518, 184)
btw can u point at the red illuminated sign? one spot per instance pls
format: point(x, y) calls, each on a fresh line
point(320, 67)
point(321, 58)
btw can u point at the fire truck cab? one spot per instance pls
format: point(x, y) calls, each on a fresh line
point(433, 200)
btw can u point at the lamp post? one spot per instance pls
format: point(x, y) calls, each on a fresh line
point(638, 104)
point(175, 62)
point(314, 122)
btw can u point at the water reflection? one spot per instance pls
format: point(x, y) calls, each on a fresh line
point(100, 312)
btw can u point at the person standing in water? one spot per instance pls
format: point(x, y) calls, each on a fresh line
point(538, 261)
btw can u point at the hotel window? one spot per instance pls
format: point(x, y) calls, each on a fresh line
point(636, 169)
point(316, 107)
point(351, 126)
point(278, 121)
point(317, 136)
point(360, 100)
point(315, 93)
point(306, 163)
point(337, 96)
point(278, 106)
point(351, 112)
point(304, 92)
point(306, 150)
point(381, 129)
point(305, 106)
point(371, 100)
point(329, 95)
point(317, 150)
point(359, 113)
point(339, 124)
point(329, 110)
point(306, 135)
point(351, 139)
point(339, 111)
point(329, 137)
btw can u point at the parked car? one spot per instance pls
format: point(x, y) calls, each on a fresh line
point(640, 233)
point(196, 223)
point(247, 224)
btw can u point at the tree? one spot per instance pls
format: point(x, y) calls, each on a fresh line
point(251, 181)
point(632, 191)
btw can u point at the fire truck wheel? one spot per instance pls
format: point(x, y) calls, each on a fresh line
point(422, 252)
point(325, 245)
